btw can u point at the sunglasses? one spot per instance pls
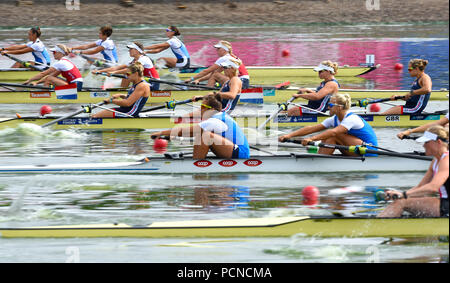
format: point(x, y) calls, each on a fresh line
point(410, 69)
point(169, 30)
point(330, 105)
point(206, 106)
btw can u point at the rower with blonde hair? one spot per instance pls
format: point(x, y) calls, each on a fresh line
point(418, 96)
point(62, 67)
point(318, 99)
point(417, 200)
point(343, 128)
point(214, 74)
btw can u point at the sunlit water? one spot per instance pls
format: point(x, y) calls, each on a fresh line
point(141, 199)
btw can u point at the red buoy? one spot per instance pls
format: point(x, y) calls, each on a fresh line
point(310, 193)
point(285, 53)
point(375, 107)
point(45, 109)
point(160, 145)
point(398, 66)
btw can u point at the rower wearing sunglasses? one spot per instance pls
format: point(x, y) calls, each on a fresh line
point(343, 128)
point(182, 58)
point(217, 132)
point(133, 102)
point(318, 99)
point(417, 98)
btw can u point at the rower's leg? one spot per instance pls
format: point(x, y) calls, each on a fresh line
point(348, 140)
point(17, 65)
point(103, 114)
point(51, 80)
point(396, 110)
point(217, 77)
point(294, 111)
point(219, 145)
point(170, 62)
point(420, 207)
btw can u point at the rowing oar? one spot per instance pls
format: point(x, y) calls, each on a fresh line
point(84, 109)
point(160, 81)
point(281, 107)
point(97, 61)
point(171, 104)
point(365, 102)
point(361, 150)
point(26, 86)
point(26, 64)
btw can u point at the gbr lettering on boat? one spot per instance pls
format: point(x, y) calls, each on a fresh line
point(392, 118)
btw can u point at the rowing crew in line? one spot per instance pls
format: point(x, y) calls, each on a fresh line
point(136, 50)
point(416, 100)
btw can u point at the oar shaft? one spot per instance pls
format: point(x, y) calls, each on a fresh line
point(365, 102)
point(27, 86)
point(26, 64)
point(84, 109)
point(280, 108)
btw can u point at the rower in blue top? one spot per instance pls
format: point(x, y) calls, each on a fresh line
point(217, 132)
point(318, 99)
point(343, 128)
point(103, 45)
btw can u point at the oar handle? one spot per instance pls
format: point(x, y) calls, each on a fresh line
point(171, 104)
point(406, 137)
point(364, 102)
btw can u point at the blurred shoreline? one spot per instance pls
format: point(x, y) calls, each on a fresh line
point(223, 12)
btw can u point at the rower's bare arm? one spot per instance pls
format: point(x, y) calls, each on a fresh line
point(206, 73)
point(306, 131)
point(156, 48)
point(41, 75)
point(434, 181)
point(93, 51)
point(84, 46)
point(442, 122)
point(15, 47)
point(122, 69)
point(330, 133)
point(24, 50)
point(137, 93)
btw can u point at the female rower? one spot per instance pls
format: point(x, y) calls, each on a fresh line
point(442, 122)
point(217, 131)
point(344, 127)
point(136, 50)
point(213, 73)
point(133, 102)
point(417, 98)
point(182, 58)
point(231, 89)
point(61, 67)
point(318, 99)
point(104, 45)
point(35, 46)
point(417, 200)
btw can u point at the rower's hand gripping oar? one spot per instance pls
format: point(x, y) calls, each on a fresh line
point(361, 150)
point(365, 102)
point(84, 109)
point(171, 104)
point(281, 107)
point(27, 64)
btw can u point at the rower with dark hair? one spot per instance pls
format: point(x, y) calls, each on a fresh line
point(217, 132)
point(35, 46)
point(104, 45)
point(182, 58)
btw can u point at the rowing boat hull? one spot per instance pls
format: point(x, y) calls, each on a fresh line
point(258, 74)
point(289, 163)
point(170, 121)
point(248, 227)
point(269, 95)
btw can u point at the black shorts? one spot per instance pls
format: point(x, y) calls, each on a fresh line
point(444, 207)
